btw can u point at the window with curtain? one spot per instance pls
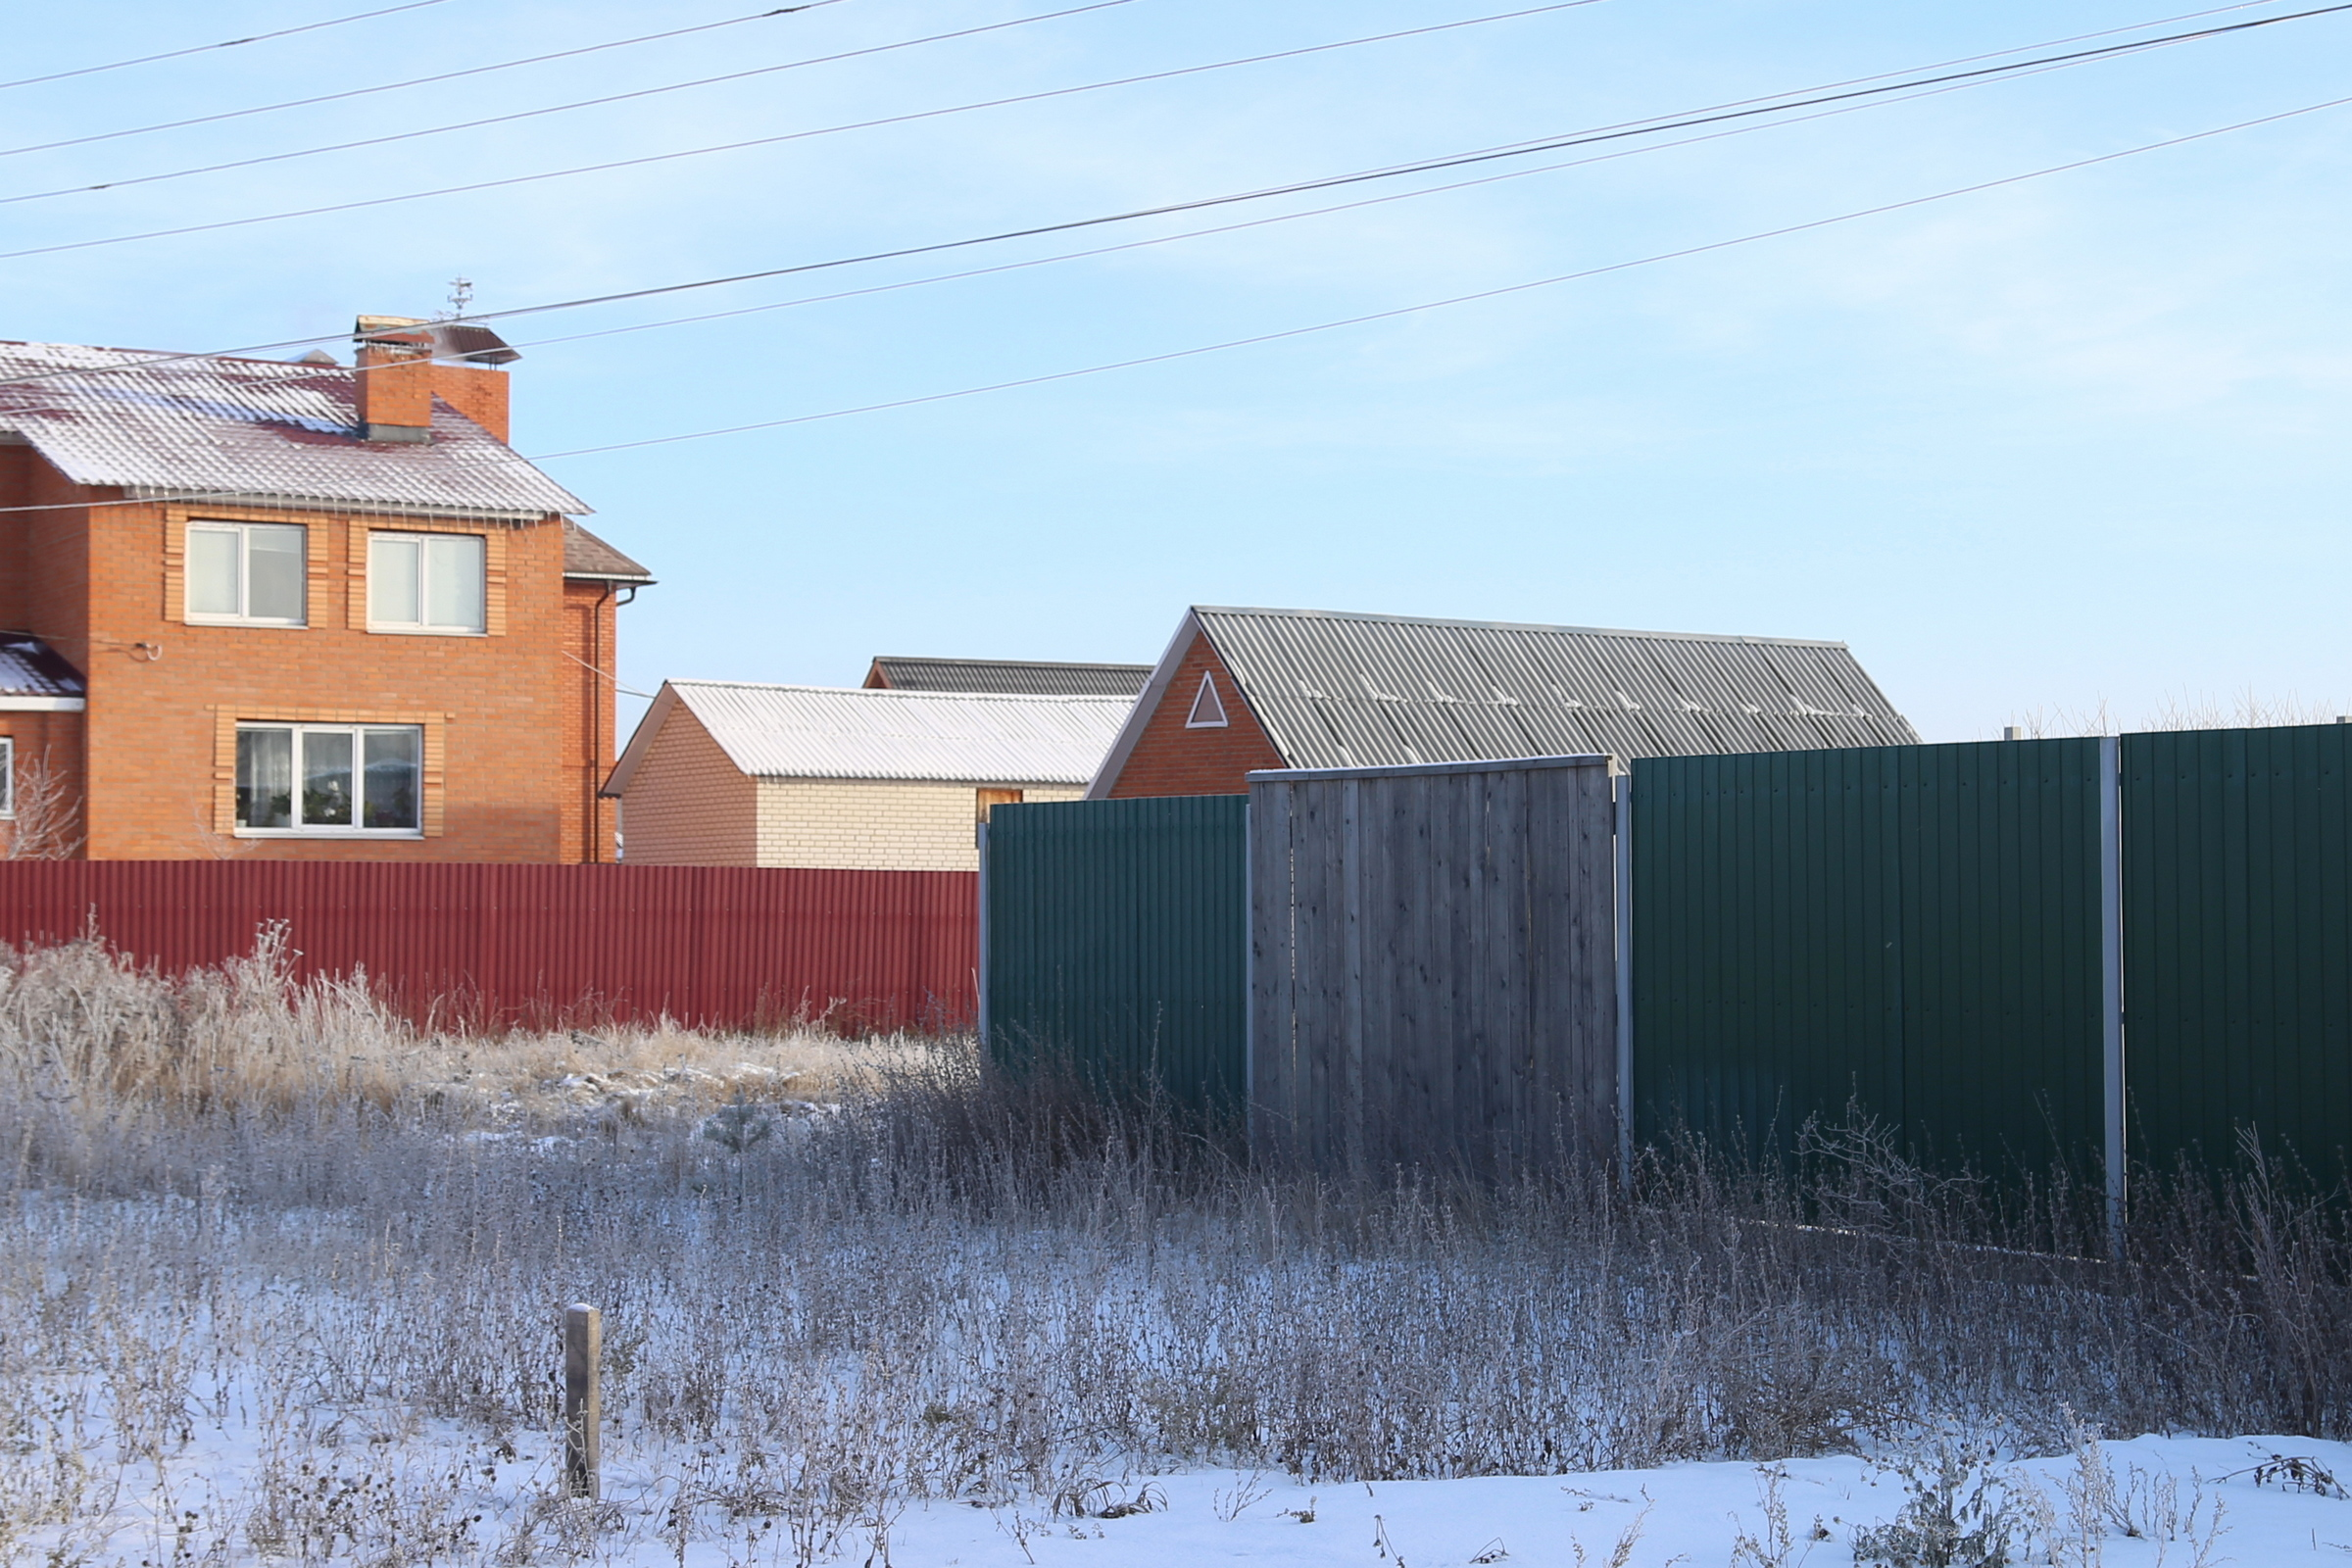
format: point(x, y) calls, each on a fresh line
point(329, 779)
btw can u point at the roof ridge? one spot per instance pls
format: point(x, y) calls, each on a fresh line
point(900, 694)
point(1513, 625)
point(1039, 663)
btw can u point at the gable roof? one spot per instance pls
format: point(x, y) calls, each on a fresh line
point(855, 733)
point(588, 558)
point(1340, 690)
point(1031, 677)
point(256, 430)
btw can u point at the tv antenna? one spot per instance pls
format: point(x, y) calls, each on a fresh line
point(460, 295)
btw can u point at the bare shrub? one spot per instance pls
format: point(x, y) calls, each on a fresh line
point(46, 822)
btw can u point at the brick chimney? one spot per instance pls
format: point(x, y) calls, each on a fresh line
point(404, 363)
point(394, 377)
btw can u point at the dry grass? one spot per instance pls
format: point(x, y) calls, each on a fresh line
point(78, 1021)
point(2247, 709)
point(265, 1222)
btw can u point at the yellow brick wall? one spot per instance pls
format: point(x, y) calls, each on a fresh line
point(873, 824)
point(687, 805)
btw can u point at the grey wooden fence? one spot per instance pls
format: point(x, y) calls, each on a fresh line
point(1433, 965)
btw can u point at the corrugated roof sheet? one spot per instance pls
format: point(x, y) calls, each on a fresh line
point(587, 555)
point(850, 732)
point(1338, 690)
point(1028, 678)
point(30, 668)
point(162, 424)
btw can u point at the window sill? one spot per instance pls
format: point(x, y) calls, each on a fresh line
point(250, 625)
point(343, 834)
point(423, 631)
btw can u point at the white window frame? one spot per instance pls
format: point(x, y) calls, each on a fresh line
point(406, 628)
point(1207, 693)
point(8, 778)
point(244, 533)
point(359, 766)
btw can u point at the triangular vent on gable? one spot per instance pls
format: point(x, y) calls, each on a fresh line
point(1208, 713)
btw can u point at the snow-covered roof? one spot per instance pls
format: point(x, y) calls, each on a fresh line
point(30, 668)
point(855, 732)
point(211, 426)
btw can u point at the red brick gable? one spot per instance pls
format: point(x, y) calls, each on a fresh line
point(1170, 758)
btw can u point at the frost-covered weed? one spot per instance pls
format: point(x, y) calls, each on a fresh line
point(278, 1219)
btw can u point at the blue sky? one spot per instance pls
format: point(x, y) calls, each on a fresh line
point(2067, 442)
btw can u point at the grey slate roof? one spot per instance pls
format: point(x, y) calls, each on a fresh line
point(586, 556)
point(30, 668)
point(1029, 677)
point(1341, 690)
point(211, 426)
point(850, 732)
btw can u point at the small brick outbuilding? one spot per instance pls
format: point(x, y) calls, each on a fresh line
point(733, 773)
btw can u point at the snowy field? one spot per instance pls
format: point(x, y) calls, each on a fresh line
point(2191, 1502)
point(280, 1279)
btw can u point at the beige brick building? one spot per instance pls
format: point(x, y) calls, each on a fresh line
point(731, 773)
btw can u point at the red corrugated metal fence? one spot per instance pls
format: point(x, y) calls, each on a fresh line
point(490, 945)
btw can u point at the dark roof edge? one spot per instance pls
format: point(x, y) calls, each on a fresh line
point(1514, 626)
point(899, 694)
point(1499, 764)
point(1008, 664)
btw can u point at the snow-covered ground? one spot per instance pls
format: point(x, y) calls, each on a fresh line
point(431, 1495)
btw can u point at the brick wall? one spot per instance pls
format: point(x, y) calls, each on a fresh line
point(591, 625)
point(878, 824)
point(1171, 759)
point(687, 804)
point(523, 730)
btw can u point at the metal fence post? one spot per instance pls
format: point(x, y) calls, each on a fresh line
point(1625, 975)
point(980, 979)
point(583, 1401)
point(2111, 985)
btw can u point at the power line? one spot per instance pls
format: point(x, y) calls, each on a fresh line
point(1459, 299)
point(225, 43)
point(1366, 319)
point(1776, 103)
point(1236, 227)
point(1427, 166)
point(412, 82)
point(789, 136)
point(556, 109)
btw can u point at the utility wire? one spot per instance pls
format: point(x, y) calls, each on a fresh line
point(1107, 250)
point(1366, 319)
point(1459, 299)
point(789, 136)
point(1419, 167)
point(556, 109)
point(1235, 227)
point(412, 82)
point(225, 43)
point(1779, 102)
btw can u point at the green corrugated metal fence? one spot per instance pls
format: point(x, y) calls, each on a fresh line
point(1913, 930)
point(1117, 931)
point(2237, 942)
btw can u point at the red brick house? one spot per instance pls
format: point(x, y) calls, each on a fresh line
point(1240, 690)
point(299, 611)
